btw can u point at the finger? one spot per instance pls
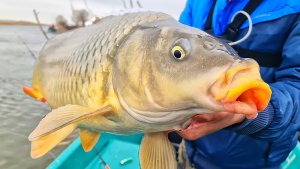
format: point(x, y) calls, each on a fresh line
point(241, 108)
point(251, 116)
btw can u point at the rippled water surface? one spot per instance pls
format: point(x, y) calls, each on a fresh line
point(19, 114)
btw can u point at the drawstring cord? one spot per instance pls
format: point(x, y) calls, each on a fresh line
point(249, 29)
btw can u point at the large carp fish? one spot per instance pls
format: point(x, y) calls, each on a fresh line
point(141, 72)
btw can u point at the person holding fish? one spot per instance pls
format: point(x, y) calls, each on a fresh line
point(141, 72)
point(229, 139)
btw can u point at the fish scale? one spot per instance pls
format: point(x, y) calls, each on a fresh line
point(88, 64)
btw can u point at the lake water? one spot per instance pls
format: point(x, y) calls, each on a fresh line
point(19, 113)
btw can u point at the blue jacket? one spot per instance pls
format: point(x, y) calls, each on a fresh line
point(266, 141)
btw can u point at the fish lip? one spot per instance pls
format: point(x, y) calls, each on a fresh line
point(254, 89)
point(242, 82)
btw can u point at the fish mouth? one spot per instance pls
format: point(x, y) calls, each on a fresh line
point(248, 91)
point(242, 83)
point(245, 90)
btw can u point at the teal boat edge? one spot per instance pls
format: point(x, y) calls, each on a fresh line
point(121, 152)
point(293, 160)
point(117, 151)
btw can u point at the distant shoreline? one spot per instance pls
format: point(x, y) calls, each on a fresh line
point(23, 23)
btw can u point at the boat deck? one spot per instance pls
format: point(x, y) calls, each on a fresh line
point(119, 152)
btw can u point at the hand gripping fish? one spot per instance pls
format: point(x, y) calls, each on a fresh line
point(137, 73)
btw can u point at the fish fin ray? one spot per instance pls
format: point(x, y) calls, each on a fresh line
point(88, 139)
point(58, 124)
point(64, 116)
point(44, 144)
point(157, 152)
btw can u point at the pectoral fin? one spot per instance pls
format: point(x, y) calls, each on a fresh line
point(58, 124)
point(157, 152)
point(88, 139)
point(42, 145)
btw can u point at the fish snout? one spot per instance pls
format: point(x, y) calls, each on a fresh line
point(242, 83)
point(245, 66)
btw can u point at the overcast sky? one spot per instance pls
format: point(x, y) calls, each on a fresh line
point(49, 9)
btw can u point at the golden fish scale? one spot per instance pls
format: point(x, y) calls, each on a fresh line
point(82, 74)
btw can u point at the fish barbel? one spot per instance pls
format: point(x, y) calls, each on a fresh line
point(137, 73)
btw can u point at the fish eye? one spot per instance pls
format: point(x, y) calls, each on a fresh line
point(178, 53)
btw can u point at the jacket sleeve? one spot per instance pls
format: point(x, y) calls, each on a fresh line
point(186, 15)
point(280, 121)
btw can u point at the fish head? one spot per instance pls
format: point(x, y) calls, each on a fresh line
point(167, 68)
